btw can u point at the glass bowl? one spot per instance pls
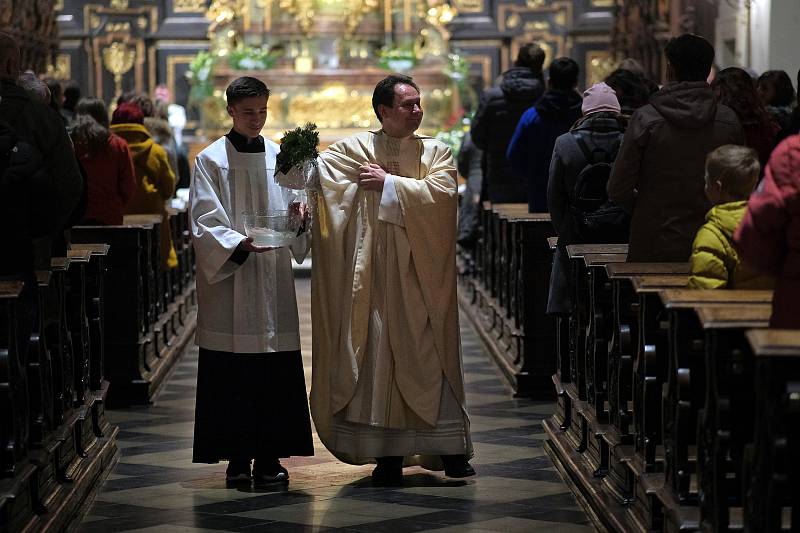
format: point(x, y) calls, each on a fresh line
point(272, 228)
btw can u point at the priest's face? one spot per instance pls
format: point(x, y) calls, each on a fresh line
point(405, 115)
point(249, 115)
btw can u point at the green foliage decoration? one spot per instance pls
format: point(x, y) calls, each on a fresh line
point(199, 76)
point(297, 145)
point(252, 58)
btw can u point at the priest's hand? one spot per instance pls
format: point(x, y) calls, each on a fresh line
point(372, 177)
point(248, 246)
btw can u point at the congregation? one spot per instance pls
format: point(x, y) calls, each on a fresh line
point(668, 170)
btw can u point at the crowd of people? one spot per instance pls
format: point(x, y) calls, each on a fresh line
point(66, 160)
point(704, 169)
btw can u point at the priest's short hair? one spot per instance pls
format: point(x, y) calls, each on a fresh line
point(384, 91)
point(245, 87)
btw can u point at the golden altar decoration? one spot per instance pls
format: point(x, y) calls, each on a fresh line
point(327, 54)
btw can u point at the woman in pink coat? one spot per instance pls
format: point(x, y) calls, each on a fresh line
point(769, 235)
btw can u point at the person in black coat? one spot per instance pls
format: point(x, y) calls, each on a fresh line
point(496, 119)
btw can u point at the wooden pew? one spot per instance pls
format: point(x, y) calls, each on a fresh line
point(61, 462)
point(771, 466)
point(725, 422)
point(626, 366)
point(683, 394)
point(151, 322)
point(574, 394)
point(506, 299)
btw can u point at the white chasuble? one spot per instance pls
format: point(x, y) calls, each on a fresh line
point(247, 308)
point(387, 374)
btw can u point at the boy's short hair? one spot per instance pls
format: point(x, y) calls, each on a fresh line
point(245, 87)
point(532, 56)
point(735, 167)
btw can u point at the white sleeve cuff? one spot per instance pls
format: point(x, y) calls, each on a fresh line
point(390, 210)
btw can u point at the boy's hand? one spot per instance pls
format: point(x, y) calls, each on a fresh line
point(248, 246)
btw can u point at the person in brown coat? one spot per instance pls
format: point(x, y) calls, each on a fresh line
point(659, 173)
point(155, 181)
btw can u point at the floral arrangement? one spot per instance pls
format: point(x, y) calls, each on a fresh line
point(298, 152)
point(252, 58)
point(199, 76)
point(397, 58)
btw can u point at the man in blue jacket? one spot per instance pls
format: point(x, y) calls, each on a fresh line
point(532, 144)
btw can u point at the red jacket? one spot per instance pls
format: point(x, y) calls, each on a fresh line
point(769, 235)
point(111, 181)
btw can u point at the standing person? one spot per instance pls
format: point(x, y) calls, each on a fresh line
point(498, 112)
point(469, 210)
point(777, 94)
point(581, 154)
point(41, 127)
point(251, 393)
point(72, 95)
point(736, 89)
point(107, 161)
point(553, 115)
point(769, 236)
point(155, 181)
point(387, 375)
point(659, 173)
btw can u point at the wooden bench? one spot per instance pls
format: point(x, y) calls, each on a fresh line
point(771, 470)
point(506, 298)
point(152, 322)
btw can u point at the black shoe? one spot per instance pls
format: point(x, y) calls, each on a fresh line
point(457, 466)
point(238, 473)
point(266, 472)
point(389, 471)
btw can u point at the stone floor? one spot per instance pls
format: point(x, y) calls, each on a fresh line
point(155, 486)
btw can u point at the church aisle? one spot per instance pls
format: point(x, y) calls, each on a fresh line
point(155, 487)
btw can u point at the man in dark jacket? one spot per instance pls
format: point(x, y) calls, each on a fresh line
point(659, 173)
point(532, 144)
point(498, 113)
point(42, 128)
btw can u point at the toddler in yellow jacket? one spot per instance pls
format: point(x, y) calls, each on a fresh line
point(731, 173)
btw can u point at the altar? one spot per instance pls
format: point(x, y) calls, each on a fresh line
point(321, 60)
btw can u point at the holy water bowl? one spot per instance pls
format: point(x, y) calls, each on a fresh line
point(272, 228)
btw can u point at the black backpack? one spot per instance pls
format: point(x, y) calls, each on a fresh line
point(596, 219)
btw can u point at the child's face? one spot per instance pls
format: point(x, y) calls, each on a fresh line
point(249, 115)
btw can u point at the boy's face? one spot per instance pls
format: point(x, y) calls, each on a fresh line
point(249, 115)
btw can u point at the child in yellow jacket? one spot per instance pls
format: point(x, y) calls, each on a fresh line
point(731, 173)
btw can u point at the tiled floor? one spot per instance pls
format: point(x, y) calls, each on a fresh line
point(155, 487)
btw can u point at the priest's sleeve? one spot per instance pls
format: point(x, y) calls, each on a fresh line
point(213, 236)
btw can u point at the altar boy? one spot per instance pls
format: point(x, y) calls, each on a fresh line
point(251, 395)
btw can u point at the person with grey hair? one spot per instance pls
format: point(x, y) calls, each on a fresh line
point(40, 126)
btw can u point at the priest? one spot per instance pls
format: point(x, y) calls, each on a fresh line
point(387, 380)
point(251, 394)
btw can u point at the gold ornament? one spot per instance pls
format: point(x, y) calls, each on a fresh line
point(118, 60)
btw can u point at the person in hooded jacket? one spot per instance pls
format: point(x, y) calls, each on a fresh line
point(659, 173)
point(499, 110)
point(601, 129)
point(769, 236)
point(553, 115)
point(155, 181)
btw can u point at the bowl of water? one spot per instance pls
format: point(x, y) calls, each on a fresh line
point(272, 228)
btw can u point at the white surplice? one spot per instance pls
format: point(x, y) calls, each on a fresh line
point(247, 308)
